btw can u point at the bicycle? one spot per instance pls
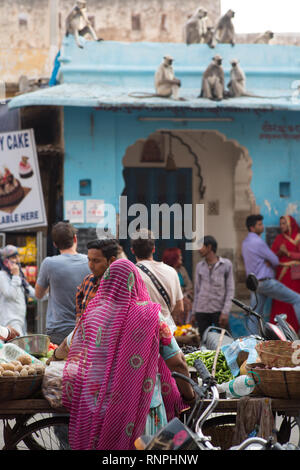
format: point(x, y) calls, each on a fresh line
point(177, 435)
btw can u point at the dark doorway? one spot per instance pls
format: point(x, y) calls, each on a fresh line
point(157, 186)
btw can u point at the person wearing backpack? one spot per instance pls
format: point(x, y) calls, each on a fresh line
point(161, 280)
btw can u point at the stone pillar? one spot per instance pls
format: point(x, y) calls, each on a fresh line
point(244, 205)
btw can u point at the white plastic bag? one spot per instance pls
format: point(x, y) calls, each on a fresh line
point(52, 383)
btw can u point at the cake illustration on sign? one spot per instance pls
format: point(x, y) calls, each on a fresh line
point(11, 191)
point(25, 169)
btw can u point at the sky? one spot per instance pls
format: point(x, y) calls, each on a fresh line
point(257, 16)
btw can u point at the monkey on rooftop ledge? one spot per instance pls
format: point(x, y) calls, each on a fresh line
point(78, 24)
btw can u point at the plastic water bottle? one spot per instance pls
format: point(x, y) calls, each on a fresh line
point(238, 387)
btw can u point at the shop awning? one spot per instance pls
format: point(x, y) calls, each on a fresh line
point(111, 97)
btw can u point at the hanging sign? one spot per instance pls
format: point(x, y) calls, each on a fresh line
point(21, 196)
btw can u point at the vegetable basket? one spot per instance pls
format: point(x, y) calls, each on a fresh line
point(275, 383)
point(279, 353)
point(18, 388)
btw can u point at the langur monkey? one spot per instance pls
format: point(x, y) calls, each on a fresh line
point(224, 31)
point(165, 82)
point(264, 38)
point(237, 84)
point(78, 24)
point(213, 80)
point(195, 29)
point(209, 37)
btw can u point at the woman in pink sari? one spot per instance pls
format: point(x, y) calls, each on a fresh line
point(112, 366)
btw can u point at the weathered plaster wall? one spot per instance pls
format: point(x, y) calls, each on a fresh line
point(143, 20)
point(32, 30)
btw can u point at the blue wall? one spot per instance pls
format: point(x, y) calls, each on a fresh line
point(96, 142)
point(134, 64)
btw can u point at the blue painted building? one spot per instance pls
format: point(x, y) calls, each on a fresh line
point(236, 156)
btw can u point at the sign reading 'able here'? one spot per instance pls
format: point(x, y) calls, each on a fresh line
point(21, 195)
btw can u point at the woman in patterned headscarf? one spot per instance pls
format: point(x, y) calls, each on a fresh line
point(111, 384)
point(287, 247)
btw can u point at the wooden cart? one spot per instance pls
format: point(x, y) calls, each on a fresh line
point(32, 423)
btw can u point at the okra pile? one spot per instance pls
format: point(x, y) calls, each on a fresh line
point(223, 373)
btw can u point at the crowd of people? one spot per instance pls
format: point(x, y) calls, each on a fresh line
point(114, 320)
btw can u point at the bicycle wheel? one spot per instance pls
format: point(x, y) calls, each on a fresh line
point(44, 434)
point(221, 430)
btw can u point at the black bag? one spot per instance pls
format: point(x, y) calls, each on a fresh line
point(157, 284)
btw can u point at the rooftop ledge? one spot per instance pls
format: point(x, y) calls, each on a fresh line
point(103, 74)
point(107, 97)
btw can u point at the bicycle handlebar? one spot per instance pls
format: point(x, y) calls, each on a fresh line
point(199, 391)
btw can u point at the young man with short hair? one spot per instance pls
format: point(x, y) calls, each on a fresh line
point(101, 253)
point(61, 274)
point(260, 260)
point(214, 288)
point(161, 280)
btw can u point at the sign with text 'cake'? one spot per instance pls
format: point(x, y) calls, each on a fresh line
point(21, 196)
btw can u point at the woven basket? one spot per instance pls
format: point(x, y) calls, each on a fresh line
point(18, 388)
point(278, 353)
point(275, 383)
point(193, 340)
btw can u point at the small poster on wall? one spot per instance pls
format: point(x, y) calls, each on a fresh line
point(21, 196)
point(94, 210)
point(75, 212)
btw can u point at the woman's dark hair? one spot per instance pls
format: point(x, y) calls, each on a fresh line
point(108, 246)
point(63, 235)
point(143, 245)
point(209, 240)
point(171, 256)
point(252, 220)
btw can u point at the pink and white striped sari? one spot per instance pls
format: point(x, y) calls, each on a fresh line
point(111, 369)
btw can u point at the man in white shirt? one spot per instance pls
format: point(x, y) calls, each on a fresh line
point(161, 280)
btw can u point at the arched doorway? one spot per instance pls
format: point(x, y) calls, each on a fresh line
point(205, 168)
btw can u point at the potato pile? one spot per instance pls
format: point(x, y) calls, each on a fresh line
point(21, 367)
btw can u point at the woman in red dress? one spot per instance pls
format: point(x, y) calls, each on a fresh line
point(287, 247)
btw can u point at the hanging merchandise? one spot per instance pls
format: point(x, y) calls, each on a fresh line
point(28, 252)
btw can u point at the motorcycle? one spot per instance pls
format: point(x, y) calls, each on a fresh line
point(267, 331)
point(282, 330)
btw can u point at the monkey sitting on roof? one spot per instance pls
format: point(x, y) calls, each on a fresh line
point(264, 38)
point(165, 82)
point(224, 31)
point(78, 24)
point(213, 80)
point(195, 28)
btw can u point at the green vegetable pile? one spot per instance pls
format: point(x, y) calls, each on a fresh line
point(223, 373)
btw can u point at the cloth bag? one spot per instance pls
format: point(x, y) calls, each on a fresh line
point(52, 383)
